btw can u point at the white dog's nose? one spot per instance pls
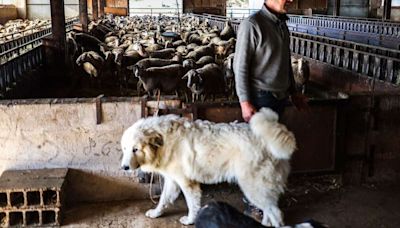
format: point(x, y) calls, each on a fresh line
point(125, 167)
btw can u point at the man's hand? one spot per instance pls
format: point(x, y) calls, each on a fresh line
point(248, 110)
point(299, 100)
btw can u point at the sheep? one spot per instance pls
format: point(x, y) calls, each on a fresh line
point(72, 50)
point(229, 75)
point(87, 42)
point(301, 73)
point(178, 43)
point(124, 62)
point(200, 52)
point(205, 60)
point(205, 81)
point(189, 64)
point(182, 49)
point(163, 54)
point(151, 62)
point(228, 31)
point(165, 78)
point(191, 47)
point(92, 63)
point(224, 48)
point(177, 57)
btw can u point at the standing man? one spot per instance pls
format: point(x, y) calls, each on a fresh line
point(262, 66)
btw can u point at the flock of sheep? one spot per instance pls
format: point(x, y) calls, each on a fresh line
point(14, 29)
point(158, 54)
point(162, 55)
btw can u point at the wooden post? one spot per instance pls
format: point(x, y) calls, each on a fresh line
point(58, 29)
point(83, 14)
point(95, 9)
point(101, 7)
point(387, 8)
point(336, 8)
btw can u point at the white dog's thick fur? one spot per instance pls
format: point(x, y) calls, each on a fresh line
point(187, 153)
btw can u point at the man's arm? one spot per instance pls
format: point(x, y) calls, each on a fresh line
point(244, 52)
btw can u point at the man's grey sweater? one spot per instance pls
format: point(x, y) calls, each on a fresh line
point(262, 56)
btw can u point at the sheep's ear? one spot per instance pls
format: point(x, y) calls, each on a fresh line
point(185, 76)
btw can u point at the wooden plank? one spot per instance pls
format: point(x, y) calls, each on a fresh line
point(119, 11)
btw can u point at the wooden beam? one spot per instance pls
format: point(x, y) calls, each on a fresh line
point(83, 14)
point(336, 8)
point(58, 25)
point(387, 8)
point(101, 7)
point(95, 9)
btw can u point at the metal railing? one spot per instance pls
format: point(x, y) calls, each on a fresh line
point(388, 52)
point(31, 38)
point(354, 24)
point(371, 38)
point(12, 71)
point(373, 32)
point(388, 28)
point(371, 61)
point(353, 18)
point(239, 12)
point(219, 21)
point(381, 67)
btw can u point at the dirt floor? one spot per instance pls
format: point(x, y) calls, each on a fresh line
point(324, 199)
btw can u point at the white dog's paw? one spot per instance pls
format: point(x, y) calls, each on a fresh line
point(266, 222)
point(185, 220)
point(153, 213)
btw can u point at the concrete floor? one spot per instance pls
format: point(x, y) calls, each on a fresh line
point(373, 205)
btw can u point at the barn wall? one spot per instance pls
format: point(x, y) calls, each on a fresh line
point(205, 6)
point(351, 8)
point(7, 13)
point(41, 8)
point(49, 133)
point(117, 7)
point(371, 150)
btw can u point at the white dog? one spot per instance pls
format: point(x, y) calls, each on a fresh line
point(187, 153)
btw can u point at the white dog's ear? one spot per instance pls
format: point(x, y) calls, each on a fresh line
point(155, 139)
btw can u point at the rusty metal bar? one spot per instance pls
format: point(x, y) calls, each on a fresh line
point(83, 14)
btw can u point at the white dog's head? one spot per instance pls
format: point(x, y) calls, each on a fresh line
point(140, 146)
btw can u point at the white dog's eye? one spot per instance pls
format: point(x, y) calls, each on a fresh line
point(134, 150)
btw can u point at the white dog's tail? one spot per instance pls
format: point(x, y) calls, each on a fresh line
point(275, 136)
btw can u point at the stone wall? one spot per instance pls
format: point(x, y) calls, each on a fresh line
point(59, 133)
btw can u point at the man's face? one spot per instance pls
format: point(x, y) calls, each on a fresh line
point(281, 5)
